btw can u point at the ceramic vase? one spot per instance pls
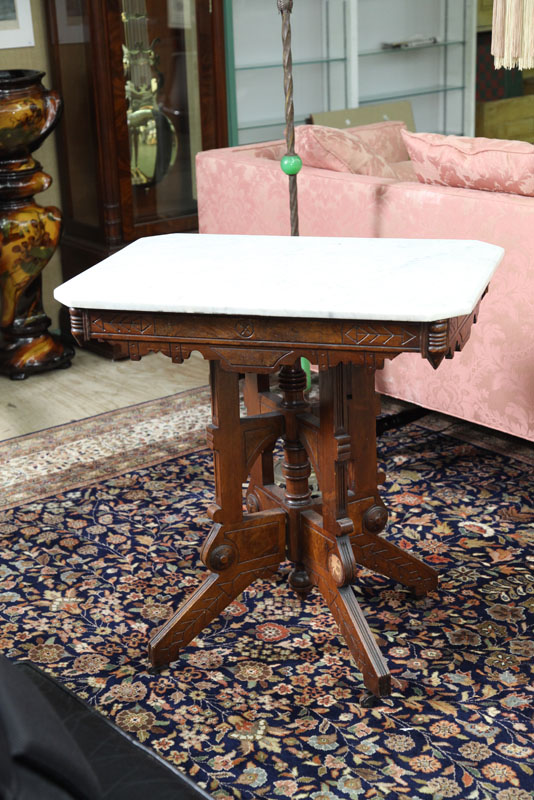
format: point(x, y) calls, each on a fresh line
point(29, 232)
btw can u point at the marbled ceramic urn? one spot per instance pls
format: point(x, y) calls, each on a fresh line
point(29, 233)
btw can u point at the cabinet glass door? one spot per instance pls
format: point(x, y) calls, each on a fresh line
point(161, 86)
point(144, 90)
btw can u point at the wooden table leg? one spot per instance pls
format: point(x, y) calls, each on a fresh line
point(241, 547)
point(366, 509)
point(325, 538)
point(320, 546)
point(330, 565)
point(237, 554)
point(324, 547)
point(262, 471)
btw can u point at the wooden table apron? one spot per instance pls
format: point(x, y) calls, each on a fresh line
point(325, 537)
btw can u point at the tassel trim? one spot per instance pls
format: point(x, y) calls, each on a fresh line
point(512, 43)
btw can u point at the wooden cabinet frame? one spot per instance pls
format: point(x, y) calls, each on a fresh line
point(84, 244)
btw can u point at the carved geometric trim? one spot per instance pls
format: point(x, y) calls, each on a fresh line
point(140, 325)
point(376, 335)
point(138, 348)
point(331, 358)
point(77, 325)
point(444, 336)
point(270, 332)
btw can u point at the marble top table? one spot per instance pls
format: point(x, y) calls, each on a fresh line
point(255, 305)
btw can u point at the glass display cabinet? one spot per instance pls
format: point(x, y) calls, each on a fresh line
point(323, 43)
point(143, 83)
point(348, 53)
point(422, 51)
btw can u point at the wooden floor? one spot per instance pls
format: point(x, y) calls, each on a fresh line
point(91, 386)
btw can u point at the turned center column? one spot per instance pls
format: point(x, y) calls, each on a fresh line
point(296, 468)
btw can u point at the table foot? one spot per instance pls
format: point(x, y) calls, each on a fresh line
point(237, 554)
point(382, 556)
point(299, 580)
point(369, 700)
point(358, 636)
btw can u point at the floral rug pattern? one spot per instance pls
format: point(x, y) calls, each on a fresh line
point(266, 702)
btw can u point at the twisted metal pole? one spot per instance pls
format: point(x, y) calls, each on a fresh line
point(291, 162)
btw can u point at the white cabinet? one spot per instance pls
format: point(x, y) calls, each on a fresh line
point(339, 61)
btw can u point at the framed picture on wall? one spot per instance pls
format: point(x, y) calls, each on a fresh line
point(16, 27)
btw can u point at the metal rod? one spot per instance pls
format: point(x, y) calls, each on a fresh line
point(285, 7)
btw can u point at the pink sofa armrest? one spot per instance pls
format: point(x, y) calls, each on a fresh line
point(492, 381)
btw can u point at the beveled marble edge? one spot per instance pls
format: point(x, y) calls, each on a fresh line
point(411, 280)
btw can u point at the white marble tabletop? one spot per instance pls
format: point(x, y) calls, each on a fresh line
point(417, 280)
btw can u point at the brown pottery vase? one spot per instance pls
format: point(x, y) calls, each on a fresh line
point(29, 233)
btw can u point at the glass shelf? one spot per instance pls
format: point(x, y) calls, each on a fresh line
point(391, 50)
point(405, 93)
point(268, 123)
point(322, 63)
point(301, 63)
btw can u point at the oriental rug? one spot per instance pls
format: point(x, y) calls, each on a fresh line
point(103, 539)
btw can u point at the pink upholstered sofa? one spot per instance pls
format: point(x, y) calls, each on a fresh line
point(243, 190)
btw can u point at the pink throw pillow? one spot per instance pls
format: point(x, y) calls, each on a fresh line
point(493, 165)
point(338, 150)
point(384, 138)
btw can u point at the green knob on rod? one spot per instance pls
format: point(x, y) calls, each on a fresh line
point(291, 164)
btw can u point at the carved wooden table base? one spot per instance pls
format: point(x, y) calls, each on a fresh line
point(326, 537)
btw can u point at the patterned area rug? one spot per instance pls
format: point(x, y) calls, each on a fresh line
point(73, 455)
point(266, 702)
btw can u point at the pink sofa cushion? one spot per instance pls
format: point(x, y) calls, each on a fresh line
point(493, 165)
point(404, 171)
point(384, 138)
point(340, 151)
